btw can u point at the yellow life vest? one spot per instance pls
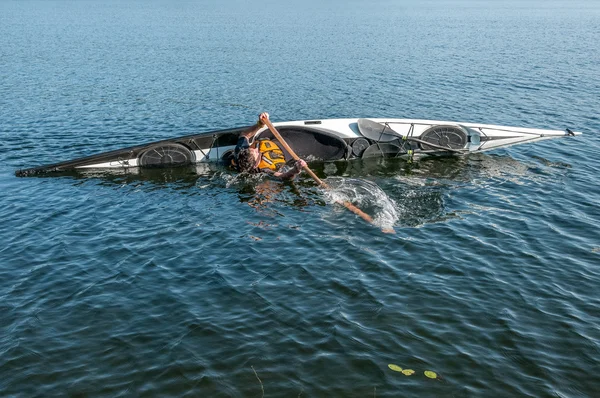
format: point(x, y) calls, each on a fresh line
point(272, 156)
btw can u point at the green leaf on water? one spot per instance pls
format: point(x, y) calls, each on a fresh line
point(408, 372)
point(430, 374)
point(395, 368)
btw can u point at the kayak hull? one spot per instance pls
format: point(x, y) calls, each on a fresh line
point(323, 140)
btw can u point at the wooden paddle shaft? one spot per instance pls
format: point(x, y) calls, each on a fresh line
point(346, 204)
point(291, 152)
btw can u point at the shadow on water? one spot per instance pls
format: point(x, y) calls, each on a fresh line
point(392, 190)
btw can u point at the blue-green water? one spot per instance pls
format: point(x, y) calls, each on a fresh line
point(194, 282)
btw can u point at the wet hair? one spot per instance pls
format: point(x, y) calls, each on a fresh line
point(246, 162)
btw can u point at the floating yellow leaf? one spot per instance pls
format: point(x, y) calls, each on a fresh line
point(395, 368)
point(430, 374)
point(408, 372)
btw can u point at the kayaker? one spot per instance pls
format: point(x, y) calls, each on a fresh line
point(263, 156)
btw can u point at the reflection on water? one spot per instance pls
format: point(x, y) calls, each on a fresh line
point(458, 168)
point(392, 191)
point(202, 174)
point(455, 168)
point(419, 191)
point(265, 195)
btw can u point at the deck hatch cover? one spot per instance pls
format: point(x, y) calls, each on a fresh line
point(166, 155)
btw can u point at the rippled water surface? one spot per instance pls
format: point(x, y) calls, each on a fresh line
point(199, 282)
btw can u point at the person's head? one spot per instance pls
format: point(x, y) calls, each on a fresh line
point(247, 160)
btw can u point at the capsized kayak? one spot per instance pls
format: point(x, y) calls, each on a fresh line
point(322, 140)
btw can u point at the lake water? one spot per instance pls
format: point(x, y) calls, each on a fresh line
point(195, 282)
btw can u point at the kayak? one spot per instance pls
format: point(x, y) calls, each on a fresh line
point(318, 140)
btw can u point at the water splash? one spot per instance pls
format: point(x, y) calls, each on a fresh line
point(366, 195)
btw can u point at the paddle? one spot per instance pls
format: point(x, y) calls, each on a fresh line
point(345, 203)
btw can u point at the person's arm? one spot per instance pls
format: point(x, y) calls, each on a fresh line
point(251, 132)
point(293, 172)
